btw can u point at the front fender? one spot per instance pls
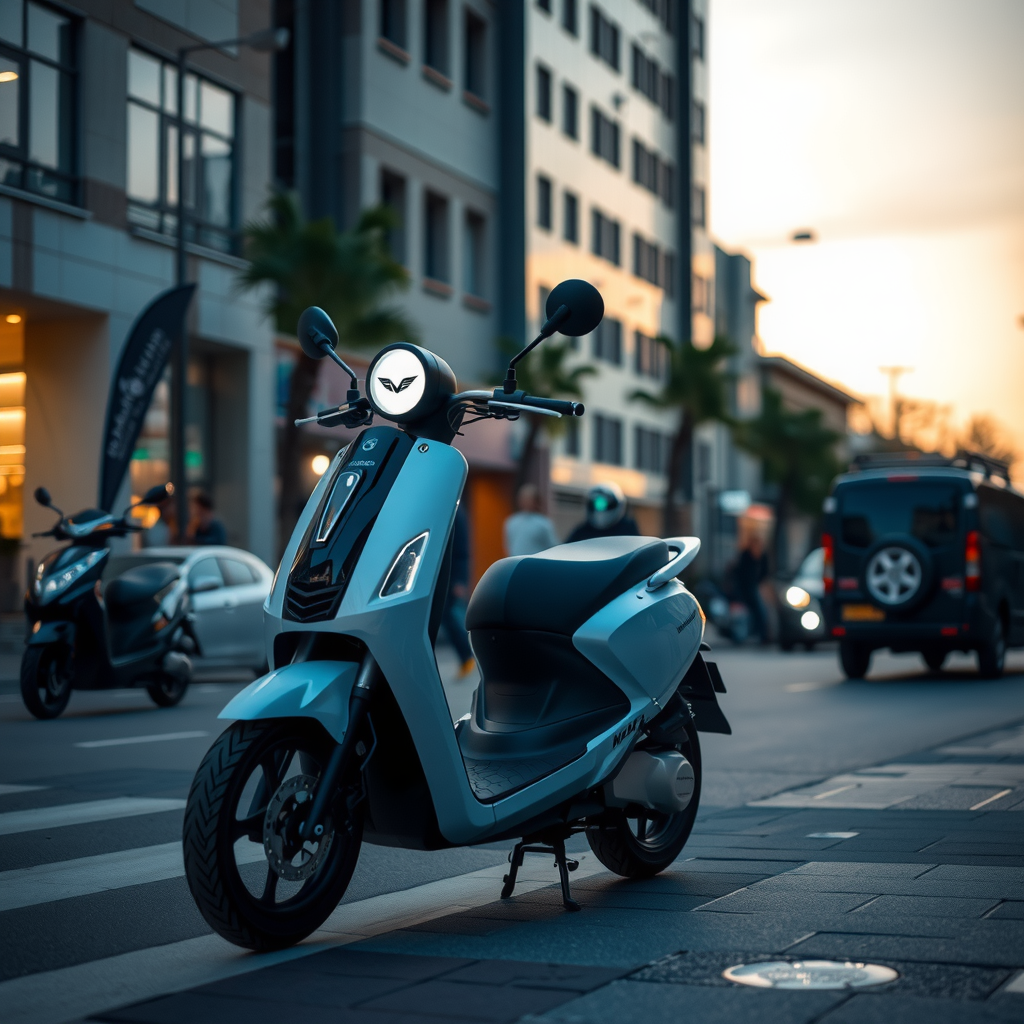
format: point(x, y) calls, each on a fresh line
point(59, 631)
point(305, 689)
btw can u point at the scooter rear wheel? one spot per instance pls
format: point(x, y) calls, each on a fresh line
point(641, 846)
point(255, 882)
point(46, 679)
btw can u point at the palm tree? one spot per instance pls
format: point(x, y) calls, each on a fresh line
point(350, 274)
point(544, 373)
point(695, 389)
point(797, 453)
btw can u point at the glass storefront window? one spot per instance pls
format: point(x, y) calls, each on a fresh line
point(37, 100)
point(209, 153)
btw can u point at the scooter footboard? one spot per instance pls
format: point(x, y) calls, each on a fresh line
point(307, 689)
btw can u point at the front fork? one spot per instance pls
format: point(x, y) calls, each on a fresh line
point(359, 702)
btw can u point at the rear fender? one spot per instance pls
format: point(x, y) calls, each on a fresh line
point(59, 631)
point(305, 689)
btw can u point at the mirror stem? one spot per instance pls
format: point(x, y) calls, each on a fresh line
point(325, 346)
point(551, 325)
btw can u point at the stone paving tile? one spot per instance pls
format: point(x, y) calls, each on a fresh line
point(691, 883)
point(928, 906)
point(753, 901)
point(850, 946)
point(898, 886)
point(630, 1001)
point(1012, 910)
point(896, 1009)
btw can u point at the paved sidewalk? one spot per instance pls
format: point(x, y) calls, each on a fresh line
point(912, 876)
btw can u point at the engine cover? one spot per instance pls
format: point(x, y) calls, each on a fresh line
point(660, 782)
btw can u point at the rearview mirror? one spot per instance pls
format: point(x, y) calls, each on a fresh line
point(155, 495)
point(42, 495)
point(584, 303)
point(317, 334)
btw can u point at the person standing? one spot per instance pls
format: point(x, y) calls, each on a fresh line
point(528, 530)
point(750, 571)
point(206, 527)
point(453, 619)
point(606, 515)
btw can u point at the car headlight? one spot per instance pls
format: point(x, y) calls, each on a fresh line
point(402, 574)
point(47, 589)
point(797, 597)
point(810, 620)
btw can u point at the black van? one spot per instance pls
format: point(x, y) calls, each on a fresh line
point(924, 554)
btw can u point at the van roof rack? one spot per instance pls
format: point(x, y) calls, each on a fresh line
point(974, 461)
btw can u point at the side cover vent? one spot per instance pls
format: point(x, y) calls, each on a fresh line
point(312, 602)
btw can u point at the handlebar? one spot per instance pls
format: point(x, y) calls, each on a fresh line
point(555, 405)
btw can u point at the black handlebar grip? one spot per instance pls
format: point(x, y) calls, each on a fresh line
point(555, 405)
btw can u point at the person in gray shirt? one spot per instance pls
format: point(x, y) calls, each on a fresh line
point(528, 530)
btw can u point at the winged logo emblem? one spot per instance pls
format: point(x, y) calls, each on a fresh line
point(400, 386)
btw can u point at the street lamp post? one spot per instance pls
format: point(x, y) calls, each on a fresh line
point(264, 41)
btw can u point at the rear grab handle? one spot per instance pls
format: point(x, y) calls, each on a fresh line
point(687, 548)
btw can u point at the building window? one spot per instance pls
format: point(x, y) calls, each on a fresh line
point(570, 20)
point(657, 85)
point(570, 112)
point(697, 122)
point(393, 22)
point(543, 291)
point(435, 236)
point(604, 38)
point(698, 207)
point(474, 255)
point(649, 356)
point(476, 55)
point(697, 36)
point(607, 439)
point(653, 173)
point(664, 11)
point(668, 274)
point(646, 260)
point(543, 93)
point(604, 137)
point(393, 193)
point(650, 450)
point(37, 100)
point(701, 295)
point(435, 35)
point(544, 5)
point(543, 202)
point(606, 341)
point(604, 236)
point(572, 437)
point(208, 140)
point(571, 218)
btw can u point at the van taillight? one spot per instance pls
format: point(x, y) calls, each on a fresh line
point(972, 561)
point(829, 572)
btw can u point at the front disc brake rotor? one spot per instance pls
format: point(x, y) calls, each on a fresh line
point(293, 858)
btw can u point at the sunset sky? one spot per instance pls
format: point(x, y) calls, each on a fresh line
point(895, 130)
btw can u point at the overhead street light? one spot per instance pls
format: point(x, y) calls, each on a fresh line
point(266, 40)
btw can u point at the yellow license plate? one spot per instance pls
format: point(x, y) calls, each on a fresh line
point(862, 613)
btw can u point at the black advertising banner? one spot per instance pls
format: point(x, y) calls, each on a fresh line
point(142, 363)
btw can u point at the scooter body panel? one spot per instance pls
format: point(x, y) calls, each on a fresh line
point(52, 632)
point(304, 689)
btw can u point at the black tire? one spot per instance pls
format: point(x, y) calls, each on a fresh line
point(632, 850)
point(233, 779)
point(168, 691)
point(46, 677)
point(934, 659)
point(992, 654)
point(786, 645)
point(855, 659)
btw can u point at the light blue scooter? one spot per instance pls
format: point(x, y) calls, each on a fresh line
point(585, 720)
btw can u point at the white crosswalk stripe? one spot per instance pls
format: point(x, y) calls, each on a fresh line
point(26, 887)
point(8, 789)
point(13, 822)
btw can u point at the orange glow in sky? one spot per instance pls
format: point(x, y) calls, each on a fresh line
point(895, 130)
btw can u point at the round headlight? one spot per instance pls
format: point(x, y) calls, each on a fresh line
point(797, 597)
point(406, 383)
point(810, 620)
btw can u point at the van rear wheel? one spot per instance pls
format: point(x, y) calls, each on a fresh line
point(855, 659)
point(992, 654)
point(934, 659)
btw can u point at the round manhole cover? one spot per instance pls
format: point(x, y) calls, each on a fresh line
point(808, 974)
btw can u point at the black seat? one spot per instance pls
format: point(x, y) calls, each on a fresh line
point(559, 589)
point(134, 587)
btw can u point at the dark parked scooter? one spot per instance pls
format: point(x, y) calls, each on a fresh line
point(136, 634)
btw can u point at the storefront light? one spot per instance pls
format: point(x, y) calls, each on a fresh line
point(319, 464)
point(11, 318)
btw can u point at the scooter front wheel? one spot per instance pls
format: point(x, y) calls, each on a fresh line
point(256, 881)
point(640, 845)
point(167, 691)
point(46, 679)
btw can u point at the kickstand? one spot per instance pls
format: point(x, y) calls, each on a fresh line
point(564, 865)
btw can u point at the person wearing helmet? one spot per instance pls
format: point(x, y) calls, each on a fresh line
point(606, 515)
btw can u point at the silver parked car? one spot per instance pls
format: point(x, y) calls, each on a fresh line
point(228, 587)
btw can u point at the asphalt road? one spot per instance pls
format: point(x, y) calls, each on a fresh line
point(108, 780)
